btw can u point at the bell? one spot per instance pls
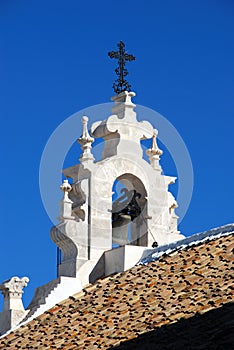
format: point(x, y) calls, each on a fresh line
point(120, 229)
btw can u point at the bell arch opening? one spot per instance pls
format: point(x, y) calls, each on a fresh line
point(129, 211)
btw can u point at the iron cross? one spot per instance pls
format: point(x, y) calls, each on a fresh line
point(121, 84)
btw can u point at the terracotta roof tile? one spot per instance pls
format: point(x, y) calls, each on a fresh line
point(125, 306)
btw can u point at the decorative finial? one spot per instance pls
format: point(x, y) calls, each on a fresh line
point(66, 203)
point(12, 291)
point(14, 285)
point(154, 152)
point(13, 310)
point(86, 141)
point(121, 84)
point(66, 188)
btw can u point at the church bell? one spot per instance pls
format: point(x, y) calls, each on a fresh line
point(121, 218)
point(120, 229)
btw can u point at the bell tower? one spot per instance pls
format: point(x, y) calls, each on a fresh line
point(90, 221)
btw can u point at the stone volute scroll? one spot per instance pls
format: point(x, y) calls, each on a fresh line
point(67, 235)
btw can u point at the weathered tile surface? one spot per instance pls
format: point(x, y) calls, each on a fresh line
point(133, 304)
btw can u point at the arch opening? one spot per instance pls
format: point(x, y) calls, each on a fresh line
point(129, 210)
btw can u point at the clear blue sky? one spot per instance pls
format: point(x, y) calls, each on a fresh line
point(53, 63)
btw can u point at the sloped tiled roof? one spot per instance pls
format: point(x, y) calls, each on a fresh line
point(212, 330)
point(142, 305)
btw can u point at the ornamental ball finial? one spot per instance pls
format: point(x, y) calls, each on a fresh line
point(85, 119)
point(65, 187)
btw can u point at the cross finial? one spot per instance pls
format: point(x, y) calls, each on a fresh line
point(121, 84)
